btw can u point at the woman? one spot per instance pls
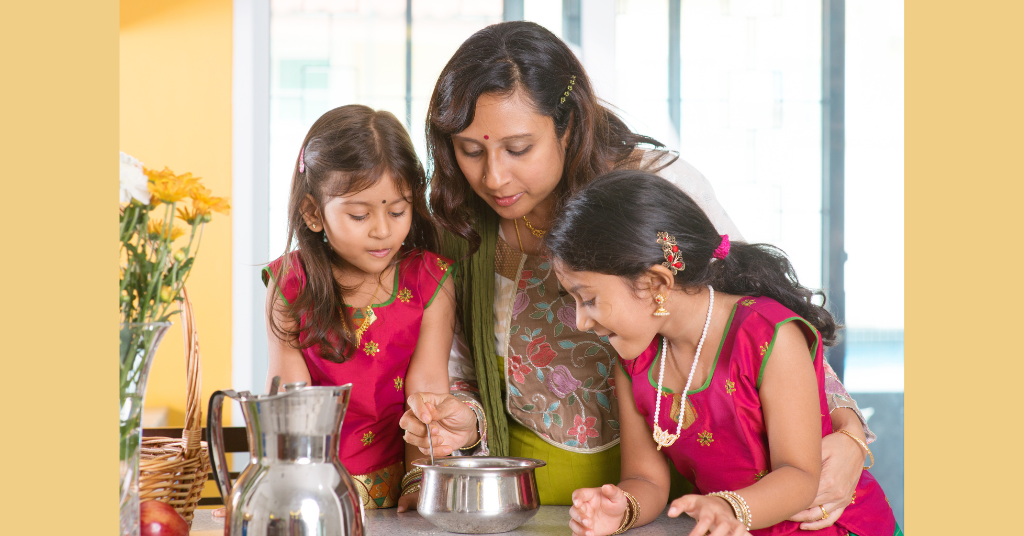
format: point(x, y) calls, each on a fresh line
point(513, 130)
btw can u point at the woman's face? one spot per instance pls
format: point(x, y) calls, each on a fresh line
point(609, 306)
point(510, 155)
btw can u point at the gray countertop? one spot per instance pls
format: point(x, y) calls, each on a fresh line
point(549, 520)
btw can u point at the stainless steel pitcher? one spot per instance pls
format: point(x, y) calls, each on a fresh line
point(294, 483)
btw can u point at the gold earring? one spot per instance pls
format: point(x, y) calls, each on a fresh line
point(661, 311)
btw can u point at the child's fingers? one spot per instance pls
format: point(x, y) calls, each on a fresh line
point(582, 495)
point(703, 524)
point(680, 505)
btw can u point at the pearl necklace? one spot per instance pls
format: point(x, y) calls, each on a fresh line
point(662, 437)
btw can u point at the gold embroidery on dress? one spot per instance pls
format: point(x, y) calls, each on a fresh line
point(762, 474)
point(690, 416)
point(405, 295)
point(399, 384)
point(371, 348)
point(730, 387)
point(442, 265)
point(506, 260)
point(367, 439)
point(748, 302)
point(704, 438)
point(763, 348)
point(381, 488)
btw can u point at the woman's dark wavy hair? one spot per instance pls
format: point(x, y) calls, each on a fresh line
point(347, 150)
point(611, 227)
point(522, 56)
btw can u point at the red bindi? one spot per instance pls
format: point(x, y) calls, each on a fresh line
point(486, 137)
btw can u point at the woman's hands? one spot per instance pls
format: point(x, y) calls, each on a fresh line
point(713, 514)
point(597, 511)
point(842, 461)
point(453, 423)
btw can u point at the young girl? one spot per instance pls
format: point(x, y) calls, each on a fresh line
point(362, 299)
point(731, 388)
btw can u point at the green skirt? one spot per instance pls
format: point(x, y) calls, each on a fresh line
point(567, 471)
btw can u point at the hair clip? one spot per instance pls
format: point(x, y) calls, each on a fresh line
point(722, 251)
point(671, 250)
point(302, 160)
point(568, 90)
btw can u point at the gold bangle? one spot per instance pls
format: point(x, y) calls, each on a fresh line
point(631, 515)
point(411, 489)
point(414, 475)
point(863, 446)
point(739, 506)
point(482, 432)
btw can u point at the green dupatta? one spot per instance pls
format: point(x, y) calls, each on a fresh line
point(475, 292)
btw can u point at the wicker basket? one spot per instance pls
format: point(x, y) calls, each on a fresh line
point(174, 470)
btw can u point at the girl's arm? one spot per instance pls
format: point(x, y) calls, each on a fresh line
point(645, 474)
point(285, 360)
point(428, 368)
point(792, 414)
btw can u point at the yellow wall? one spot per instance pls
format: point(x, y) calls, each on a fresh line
point(175, 111)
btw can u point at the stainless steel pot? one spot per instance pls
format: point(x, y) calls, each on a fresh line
point(478, 494)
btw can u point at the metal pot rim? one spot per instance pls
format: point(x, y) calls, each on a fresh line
point(446, 465)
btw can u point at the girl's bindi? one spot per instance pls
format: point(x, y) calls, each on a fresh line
point(384, 202)
point(486, 137)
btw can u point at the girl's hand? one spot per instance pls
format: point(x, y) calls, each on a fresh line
point(408, 502)
point(842, 461)
point(713, 514)
point(453, 424)
point(597, 511)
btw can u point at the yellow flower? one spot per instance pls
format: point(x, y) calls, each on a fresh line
point(187, 215)
point(157, 230)
point(167, 295)
point(203, 201)
point(170, 188)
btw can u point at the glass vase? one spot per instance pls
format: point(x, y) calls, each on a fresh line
point(138, 343)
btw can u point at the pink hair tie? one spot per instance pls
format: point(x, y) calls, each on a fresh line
point(302, 160)
point(722, 251)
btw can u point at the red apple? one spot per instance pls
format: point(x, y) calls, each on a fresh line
point(161, 519)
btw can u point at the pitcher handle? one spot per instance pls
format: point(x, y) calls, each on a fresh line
point(215, 438)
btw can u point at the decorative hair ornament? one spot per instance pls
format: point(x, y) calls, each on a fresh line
point(671, 250)
point(722, 251)
point(302, 160)
point(568, 89)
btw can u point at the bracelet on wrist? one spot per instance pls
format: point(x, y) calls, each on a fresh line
point(631, 515)
point(739, 506)
point(862, 445)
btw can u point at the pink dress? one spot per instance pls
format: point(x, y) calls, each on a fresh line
point(371, 445)
point(724, 444)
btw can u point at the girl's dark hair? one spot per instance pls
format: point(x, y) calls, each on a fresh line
point(612, 225)
point(346, 151)
point(522, 56)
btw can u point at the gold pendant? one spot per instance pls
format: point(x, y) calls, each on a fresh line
point(369, 318)
point(663, 438)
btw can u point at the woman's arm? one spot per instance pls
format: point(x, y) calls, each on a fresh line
point(645, 474)
point(286, 361)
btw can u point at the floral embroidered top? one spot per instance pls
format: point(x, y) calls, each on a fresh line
point(371, 438)
point(723, 444)
point(569, 402)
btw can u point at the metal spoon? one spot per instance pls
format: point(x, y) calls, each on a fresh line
point(274, 384)
point(431, 442)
